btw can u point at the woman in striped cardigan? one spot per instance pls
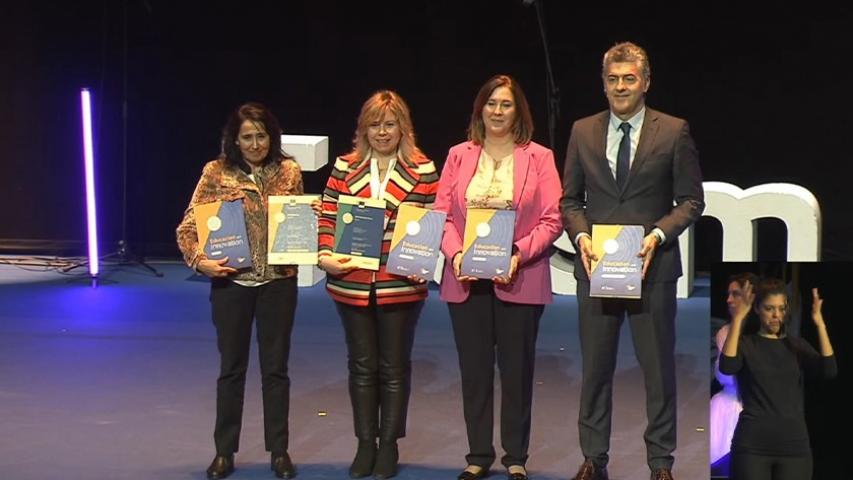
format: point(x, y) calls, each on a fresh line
point(378, 310)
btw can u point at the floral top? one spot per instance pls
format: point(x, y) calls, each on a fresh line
point(220, 182)
point(492, 183)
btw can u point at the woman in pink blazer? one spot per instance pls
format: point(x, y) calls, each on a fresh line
point(499, 167)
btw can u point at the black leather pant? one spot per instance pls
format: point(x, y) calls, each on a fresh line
point(379, 346)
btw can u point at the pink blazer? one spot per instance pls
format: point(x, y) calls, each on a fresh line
point(536, 195)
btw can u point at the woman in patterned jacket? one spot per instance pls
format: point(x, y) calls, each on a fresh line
point(378, 310)
point(251, 167)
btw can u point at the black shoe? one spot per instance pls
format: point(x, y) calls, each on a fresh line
point(589, 471)
point(516, 475)
point(220, 467)
point(386, 461)
point(281, 465)
point(466, 475)
point(662, 474)
point(365, 457)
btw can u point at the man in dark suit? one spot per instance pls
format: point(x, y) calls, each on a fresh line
point(629, 165)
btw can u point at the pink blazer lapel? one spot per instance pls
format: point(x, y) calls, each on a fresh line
point(521, 165)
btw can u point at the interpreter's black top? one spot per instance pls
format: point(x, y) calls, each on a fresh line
point(770, 382)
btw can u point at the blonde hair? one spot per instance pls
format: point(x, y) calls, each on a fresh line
point(373, 110)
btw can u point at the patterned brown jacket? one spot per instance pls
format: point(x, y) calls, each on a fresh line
point(221, 182)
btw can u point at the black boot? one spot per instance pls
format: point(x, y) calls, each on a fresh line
point(365, 457)
point(386, 460)
point(365, 410)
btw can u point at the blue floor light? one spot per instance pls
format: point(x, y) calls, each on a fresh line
point(89, 165)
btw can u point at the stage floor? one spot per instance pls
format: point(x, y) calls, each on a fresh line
point(118, 382)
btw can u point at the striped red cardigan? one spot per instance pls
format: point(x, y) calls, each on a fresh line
point(414, 184)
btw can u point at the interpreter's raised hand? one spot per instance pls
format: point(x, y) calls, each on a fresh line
point(817, 305)
point(215, 268)
point(744, 303)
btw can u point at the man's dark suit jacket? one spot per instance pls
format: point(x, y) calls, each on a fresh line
point(665, 170)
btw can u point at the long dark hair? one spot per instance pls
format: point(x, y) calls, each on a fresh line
point(261, 116)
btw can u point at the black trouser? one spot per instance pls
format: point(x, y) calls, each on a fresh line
point(747, 466)
point(652, 321)
point(483, 325)
point(379, 351)
point(234, 306)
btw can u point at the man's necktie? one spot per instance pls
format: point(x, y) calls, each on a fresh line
point(623, 157)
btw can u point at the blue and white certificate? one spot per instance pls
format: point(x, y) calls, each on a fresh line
point(292, 230)
point(416, 241)
point(618, 272)
point(487, 244)
point(359, 228)
point(221, 228)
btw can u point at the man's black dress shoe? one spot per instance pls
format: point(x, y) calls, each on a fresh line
point(589, 471)
point(662, 474)
point(281, 465)
point(220, 467)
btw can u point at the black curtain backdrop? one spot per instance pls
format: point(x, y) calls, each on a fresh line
point(764, 91)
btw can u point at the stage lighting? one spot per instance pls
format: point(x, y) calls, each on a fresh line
point(89, 167)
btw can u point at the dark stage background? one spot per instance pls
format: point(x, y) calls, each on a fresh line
point(765, 93)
